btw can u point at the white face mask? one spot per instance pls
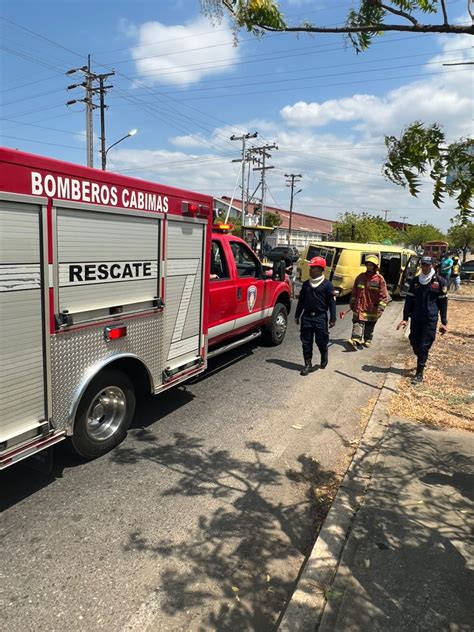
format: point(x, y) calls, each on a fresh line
point(426, 278)
point(317, 281)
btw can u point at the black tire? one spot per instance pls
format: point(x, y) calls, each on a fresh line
point(93, 435)
point(274, 333)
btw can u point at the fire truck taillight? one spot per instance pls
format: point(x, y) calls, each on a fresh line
point(115, 332)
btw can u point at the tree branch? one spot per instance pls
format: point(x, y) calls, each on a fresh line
point(374, 28)
point(445, 13)
point(401, 13)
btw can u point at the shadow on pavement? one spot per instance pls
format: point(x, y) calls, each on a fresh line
point(240, 563)
point(20, 481)
point(342, 342)
point(407, 558)
point(352, 377)
point(292, 366)
point(370, 368)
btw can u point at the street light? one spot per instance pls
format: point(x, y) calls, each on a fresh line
point(132, 132)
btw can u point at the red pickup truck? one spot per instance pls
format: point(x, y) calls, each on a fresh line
point(246, 299)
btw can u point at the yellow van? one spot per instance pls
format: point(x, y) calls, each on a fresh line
point(345, 260)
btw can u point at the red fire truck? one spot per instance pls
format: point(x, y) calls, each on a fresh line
point(109, 284)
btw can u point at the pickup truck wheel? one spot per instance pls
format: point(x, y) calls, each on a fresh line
point(275, 331)
point(104, 414)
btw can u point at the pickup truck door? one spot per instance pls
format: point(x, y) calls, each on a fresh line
point(249, 285)
point(222, 294)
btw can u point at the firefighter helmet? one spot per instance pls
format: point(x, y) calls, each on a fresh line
point(319, 262)
point(372, 259)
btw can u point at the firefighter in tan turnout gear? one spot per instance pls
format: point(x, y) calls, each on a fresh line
point(368, 301)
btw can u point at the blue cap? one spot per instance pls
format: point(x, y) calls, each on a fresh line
point(427, 261)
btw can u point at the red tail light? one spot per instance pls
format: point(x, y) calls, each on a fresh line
point(114, 332)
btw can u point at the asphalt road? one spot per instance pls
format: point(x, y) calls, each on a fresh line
point(202, 518)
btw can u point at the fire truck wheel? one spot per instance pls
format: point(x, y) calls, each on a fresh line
point(104, 414)
point(275, 331)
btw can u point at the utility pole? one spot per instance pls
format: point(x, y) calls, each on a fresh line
point(386, 211)
point(292, 178)
point(244, 139)
point(404, 219)
point(250, 161)
point(102, 92)
point(263, 152)
point(89, 115)
point(90, 88)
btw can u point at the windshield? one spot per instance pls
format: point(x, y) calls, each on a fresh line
point(321, 251)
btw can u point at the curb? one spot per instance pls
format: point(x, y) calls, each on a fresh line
point(306, 606)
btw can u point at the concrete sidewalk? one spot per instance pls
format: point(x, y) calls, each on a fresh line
point(408, 562)
point(394, 554)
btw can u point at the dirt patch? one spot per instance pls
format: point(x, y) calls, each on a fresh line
point(466, 289)
point(446, 397)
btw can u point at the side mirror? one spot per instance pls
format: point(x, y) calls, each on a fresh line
point(279, 271)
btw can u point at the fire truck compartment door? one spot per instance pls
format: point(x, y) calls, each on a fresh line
point(106, 261)
point(183, 295)
point(22, 338)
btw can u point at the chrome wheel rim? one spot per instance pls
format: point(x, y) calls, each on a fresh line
point(106, 413)
point(280, 325)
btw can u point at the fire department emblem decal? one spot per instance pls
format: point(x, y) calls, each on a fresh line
point(251, 297)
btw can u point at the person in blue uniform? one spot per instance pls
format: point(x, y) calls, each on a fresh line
point(317, 296)
point(426, 301)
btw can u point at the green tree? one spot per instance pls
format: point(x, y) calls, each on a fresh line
point(461, 235)
point(420, 151)
point(419, 234)
point(363, 228)
point(369, 19)
point(273, 220)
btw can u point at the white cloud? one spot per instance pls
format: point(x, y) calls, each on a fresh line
point(182, 54)
point(190, 141)
point(206, 173)
point(342, 168)
point(445, 99)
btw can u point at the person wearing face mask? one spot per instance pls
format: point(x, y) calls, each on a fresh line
point(425, 302)
point(317, 297)
point(368, 301)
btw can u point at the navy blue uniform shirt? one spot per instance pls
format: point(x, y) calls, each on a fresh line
point(317, 300)
point(424, 302)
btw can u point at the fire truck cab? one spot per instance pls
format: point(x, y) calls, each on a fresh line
point(110, 285)
point(245, 298)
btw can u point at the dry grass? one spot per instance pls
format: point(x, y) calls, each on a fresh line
point(466, 289)
point(446, 397)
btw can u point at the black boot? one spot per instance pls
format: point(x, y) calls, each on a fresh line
point(307, 367)
point(324, 359)
point(418, 378)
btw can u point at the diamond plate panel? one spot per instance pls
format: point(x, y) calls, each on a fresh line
point(75, 354)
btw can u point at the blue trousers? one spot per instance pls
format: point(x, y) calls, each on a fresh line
point(422, 336)
point(314, 329)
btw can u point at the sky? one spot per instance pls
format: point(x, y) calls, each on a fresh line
point(182, 81)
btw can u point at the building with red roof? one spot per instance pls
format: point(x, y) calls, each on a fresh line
point(304, 228)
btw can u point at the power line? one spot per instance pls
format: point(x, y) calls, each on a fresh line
point(41, 142)
point(322, 48)
point(306, 78)
point(50, 129)
point(325, 85)
point(294, 71)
